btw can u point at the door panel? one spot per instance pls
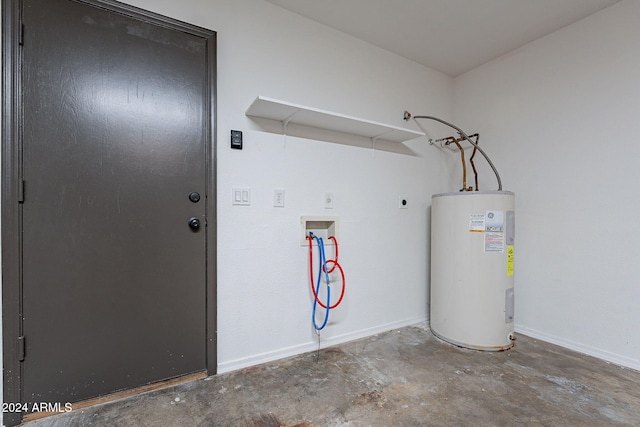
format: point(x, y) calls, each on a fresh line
point(114, 280)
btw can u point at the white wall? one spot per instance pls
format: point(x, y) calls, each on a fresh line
point(559, 117)
point(264, 303)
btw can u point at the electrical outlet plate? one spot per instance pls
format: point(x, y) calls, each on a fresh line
point(328, 200)
point(278, 198)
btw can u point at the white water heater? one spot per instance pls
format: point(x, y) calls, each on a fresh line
point(472, 247)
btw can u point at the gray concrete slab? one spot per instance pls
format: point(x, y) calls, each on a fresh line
point(404, 377)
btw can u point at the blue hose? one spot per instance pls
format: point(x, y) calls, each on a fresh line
point(321, 266)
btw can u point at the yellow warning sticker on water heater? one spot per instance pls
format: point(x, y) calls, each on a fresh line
point(510, 260)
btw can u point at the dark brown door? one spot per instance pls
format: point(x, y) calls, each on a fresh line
point(115, 141)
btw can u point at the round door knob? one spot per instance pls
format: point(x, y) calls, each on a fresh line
point(194, 197)
point(194, 223)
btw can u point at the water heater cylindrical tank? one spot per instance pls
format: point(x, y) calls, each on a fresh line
point(472, 246)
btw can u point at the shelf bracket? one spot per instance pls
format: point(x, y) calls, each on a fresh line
point(286, 121)
point(375, 138)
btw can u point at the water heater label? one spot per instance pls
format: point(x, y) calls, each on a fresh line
point(494, 231)
point(476, 223)
point(494, 221)
point(494, 242)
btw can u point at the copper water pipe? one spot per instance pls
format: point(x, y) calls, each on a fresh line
point(475, 172)
point(464, 165)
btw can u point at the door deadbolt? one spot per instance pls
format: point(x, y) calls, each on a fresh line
point(194, 197)
point(194, 224)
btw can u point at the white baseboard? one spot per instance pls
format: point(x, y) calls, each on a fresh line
point(271, 356)
point(257, 359)
point(581, 348)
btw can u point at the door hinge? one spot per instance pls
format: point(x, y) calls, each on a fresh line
point(21, 348)
point(21, 191)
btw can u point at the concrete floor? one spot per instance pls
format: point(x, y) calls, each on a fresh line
point(404, 377)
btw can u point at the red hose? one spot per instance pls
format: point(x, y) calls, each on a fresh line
point(335, 243)
point(335, 264)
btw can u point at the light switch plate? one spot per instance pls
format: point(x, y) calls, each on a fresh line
point(241, 196)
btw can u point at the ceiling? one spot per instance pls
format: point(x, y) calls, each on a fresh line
point(451, 36)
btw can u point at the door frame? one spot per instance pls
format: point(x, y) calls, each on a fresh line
point(12, 188)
